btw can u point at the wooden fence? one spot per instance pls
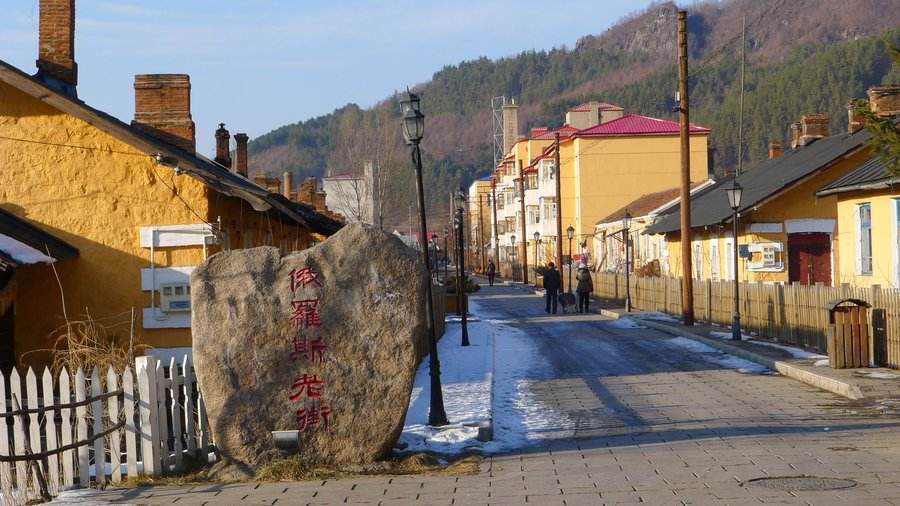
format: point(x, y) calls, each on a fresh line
point(792, 313)
point(120, 425)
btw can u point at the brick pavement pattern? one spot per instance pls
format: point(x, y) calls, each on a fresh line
point(640, 421)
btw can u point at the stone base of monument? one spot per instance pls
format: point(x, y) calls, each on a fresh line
point(322, 341)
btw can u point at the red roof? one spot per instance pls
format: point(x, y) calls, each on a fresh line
point(603, 106)
point(535, 131)
point(565, 132)
point(635, 124)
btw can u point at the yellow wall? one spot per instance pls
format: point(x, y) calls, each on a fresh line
point(603, 174)
point(96, 200)
point(799, 202)
point(884, 238)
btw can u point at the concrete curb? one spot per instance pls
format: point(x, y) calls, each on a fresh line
point(832, 385)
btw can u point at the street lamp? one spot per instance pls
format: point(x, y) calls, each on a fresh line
point(413, 124)
point(626, 225)
point(512, 254)
point(446, 253)
point(461, 296)
point(537, 242)
point(434, 255)
point(734, 201)
point(570, 233)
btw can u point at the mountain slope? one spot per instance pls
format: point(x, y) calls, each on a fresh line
point(804, 56)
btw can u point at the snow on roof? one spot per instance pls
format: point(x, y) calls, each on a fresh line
point(21, 252)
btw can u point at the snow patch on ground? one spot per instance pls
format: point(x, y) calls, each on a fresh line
point(877, 374)
point(821, 363)
point(657, 316)
point(727, 335)
point(717, 357)
point(625, 323)
point(81, 497)
point(793, 351)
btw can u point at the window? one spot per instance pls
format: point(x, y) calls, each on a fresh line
point(549, 211)
point(534, 215)
point(766, 257)
point(864, 228)
point(729, 258)
point(714, 258)
point(897, 242)
point(698, 260)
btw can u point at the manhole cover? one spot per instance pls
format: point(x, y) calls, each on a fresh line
point(802, 483)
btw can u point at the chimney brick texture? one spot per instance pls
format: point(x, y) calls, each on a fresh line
point(287, 185)
point(510, 126)
point(795, 135)
point(162, 108)
point(885, 100)
point(240, 153)
point(813, 126)
point(223, 146)
point(855, 121)
point(56, 40)
point(774, 149)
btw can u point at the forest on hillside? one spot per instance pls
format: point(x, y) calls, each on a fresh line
point(810, 78)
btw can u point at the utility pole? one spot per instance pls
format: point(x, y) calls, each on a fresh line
point(740, 168)
point(496, 230)
point(524, 241)
point(558, 169)
point(687, 285)
point(481, 232)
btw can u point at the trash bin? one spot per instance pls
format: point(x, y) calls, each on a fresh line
point(848, 333)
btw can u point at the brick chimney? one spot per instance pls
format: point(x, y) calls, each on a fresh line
point(855, 121)
point(795, 135)
point(162, 108)
point(510, 125)
point(287, 186)
point(56, 45)
point(774, 149)
point(223, 146)
point(885, 100)
point(240, 153)
point(812, 127)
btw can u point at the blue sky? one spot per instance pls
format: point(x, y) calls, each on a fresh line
point(260, 64)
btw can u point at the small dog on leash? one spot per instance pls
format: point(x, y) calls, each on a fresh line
point(566, 301)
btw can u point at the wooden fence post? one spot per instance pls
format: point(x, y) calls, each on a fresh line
point(50, 433)
point(130, 429)
point(81, 431)
point(189, 403)
point(146, 375)
point(112, 404)
point(65, 430)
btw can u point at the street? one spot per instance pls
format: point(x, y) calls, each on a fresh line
point(621, 414)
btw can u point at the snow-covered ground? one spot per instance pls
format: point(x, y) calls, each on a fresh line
point(793, 351)
point(717, 357)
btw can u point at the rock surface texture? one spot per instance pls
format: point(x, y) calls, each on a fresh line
point(324, 341)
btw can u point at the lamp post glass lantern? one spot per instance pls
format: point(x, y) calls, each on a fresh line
point(626, 238)
point(413, 124)
point(735, 192)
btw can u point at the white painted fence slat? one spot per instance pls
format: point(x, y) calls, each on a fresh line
point(112, 404)
point(189, 412)
point(97, 415)
point(34, 427)
point(50, 432)
point(130, 429)
point(15, 392)
point(202, 427)
point(162, 416)
point(65, 429)
point(4, 439)
point(177, 382)
point(146, 374)
point(81, 431)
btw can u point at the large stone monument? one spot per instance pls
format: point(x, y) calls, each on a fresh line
point(324, 341)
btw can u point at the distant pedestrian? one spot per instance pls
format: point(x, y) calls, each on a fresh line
point(552, 282)
point(584, 288)
point(491, 271)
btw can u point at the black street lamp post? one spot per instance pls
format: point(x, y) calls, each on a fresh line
point(626, 238)
point(537, 243)
point(446, 252)
point(413, 127)
point(734, 201)
point(570, 233)
point(434, 256)
point(461, 295)
point(512, 255)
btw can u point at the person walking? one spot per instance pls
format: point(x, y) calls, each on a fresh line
point(552, 283)
point(491, 270)
point(584, 288)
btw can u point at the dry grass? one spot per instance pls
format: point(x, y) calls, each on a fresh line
point(292, 469)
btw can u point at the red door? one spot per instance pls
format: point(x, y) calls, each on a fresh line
point(809, 258)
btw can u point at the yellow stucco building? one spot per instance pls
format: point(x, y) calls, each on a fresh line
point(139, 204)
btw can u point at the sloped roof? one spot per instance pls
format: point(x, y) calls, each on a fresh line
point(872, 175)
point(37, 243)
point(210, 173)
point(765, 180)
point(603, 106)
point(565, 132)
point(635, 124)
point(645, 204)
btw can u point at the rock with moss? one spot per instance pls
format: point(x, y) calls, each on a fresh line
point(324, 341)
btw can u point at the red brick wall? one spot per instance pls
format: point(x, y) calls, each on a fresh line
point(162, 108)
point(56, 40)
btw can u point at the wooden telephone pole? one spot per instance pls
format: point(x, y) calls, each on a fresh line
point(524, 241)
point(557, 169)
point(481, 232)
point(687, 285)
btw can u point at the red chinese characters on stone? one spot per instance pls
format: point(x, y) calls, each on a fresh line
point(311, 385)
point(306, 313)
point(311, 417)
point(310, 349)
point(303, 277)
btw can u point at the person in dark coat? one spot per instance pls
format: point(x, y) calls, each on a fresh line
point(584, 288)
point(552, 283)
point(491, 271)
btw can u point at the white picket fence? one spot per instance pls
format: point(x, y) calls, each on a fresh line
point(134, 424)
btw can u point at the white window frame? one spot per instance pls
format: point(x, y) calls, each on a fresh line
point(714, 264)
point(698, 259)
point(860, 270)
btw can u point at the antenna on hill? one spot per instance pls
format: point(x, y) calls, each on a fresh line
point(740, 167)
point(497, 104)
